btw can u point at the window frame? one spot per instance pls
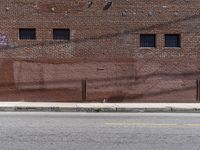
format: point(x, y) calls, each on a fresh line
point(67, 30)
point(21, 36)
point(154, 44)
point(178, 40)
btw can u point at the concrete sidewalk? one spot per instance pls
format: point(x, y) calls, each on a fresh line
point(99, 107)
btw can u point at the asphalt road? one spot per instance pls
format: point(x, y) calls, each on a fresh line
point(90, 131)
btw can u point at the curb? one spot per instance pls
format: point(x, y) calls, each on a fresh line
point(100, 109)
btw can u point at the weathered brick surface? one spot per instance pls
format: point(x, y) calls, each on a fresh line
point(104, 49)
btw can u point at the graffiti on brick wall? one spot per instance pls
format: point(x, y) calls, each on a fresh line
point(3, 40)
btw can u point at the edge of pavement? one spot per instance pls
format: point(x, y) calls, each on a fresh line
point(100, 107)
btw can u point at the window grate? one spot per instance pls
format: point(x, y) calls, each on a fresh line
point(147, 40)
point(172, 40)
point(61, 34)
point(27, 34)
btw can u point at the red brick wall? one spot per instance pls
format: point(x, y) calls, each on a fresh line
point(104, 49)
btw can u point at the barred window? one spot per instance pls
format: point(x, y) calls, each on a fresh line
point(147, 40)
point(172, 40)
point(27, 34)
point(61, 34)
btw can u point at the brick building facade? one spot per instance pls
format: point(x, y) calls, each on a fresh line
point(126, 50)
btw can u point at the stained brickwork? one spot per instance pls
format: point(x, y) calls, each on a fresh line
point(104, 49)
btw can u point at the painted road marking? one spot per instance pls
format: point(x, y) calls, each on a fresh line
point(152, 124)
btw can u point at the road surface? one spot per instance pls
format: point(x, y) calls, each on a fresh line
point(99, 131)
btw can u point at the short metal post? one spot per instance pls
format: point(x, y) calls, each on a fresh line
point(84, 90)
point(198, 90)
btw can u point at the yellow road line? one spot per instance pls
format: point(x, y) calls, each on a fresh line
point(193, 125)
point(152, 124)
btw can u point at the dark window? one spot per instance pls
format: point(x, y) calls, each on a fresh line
point(172, 40)
point(27, 34)
point(147, 40)
point(61, 34)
